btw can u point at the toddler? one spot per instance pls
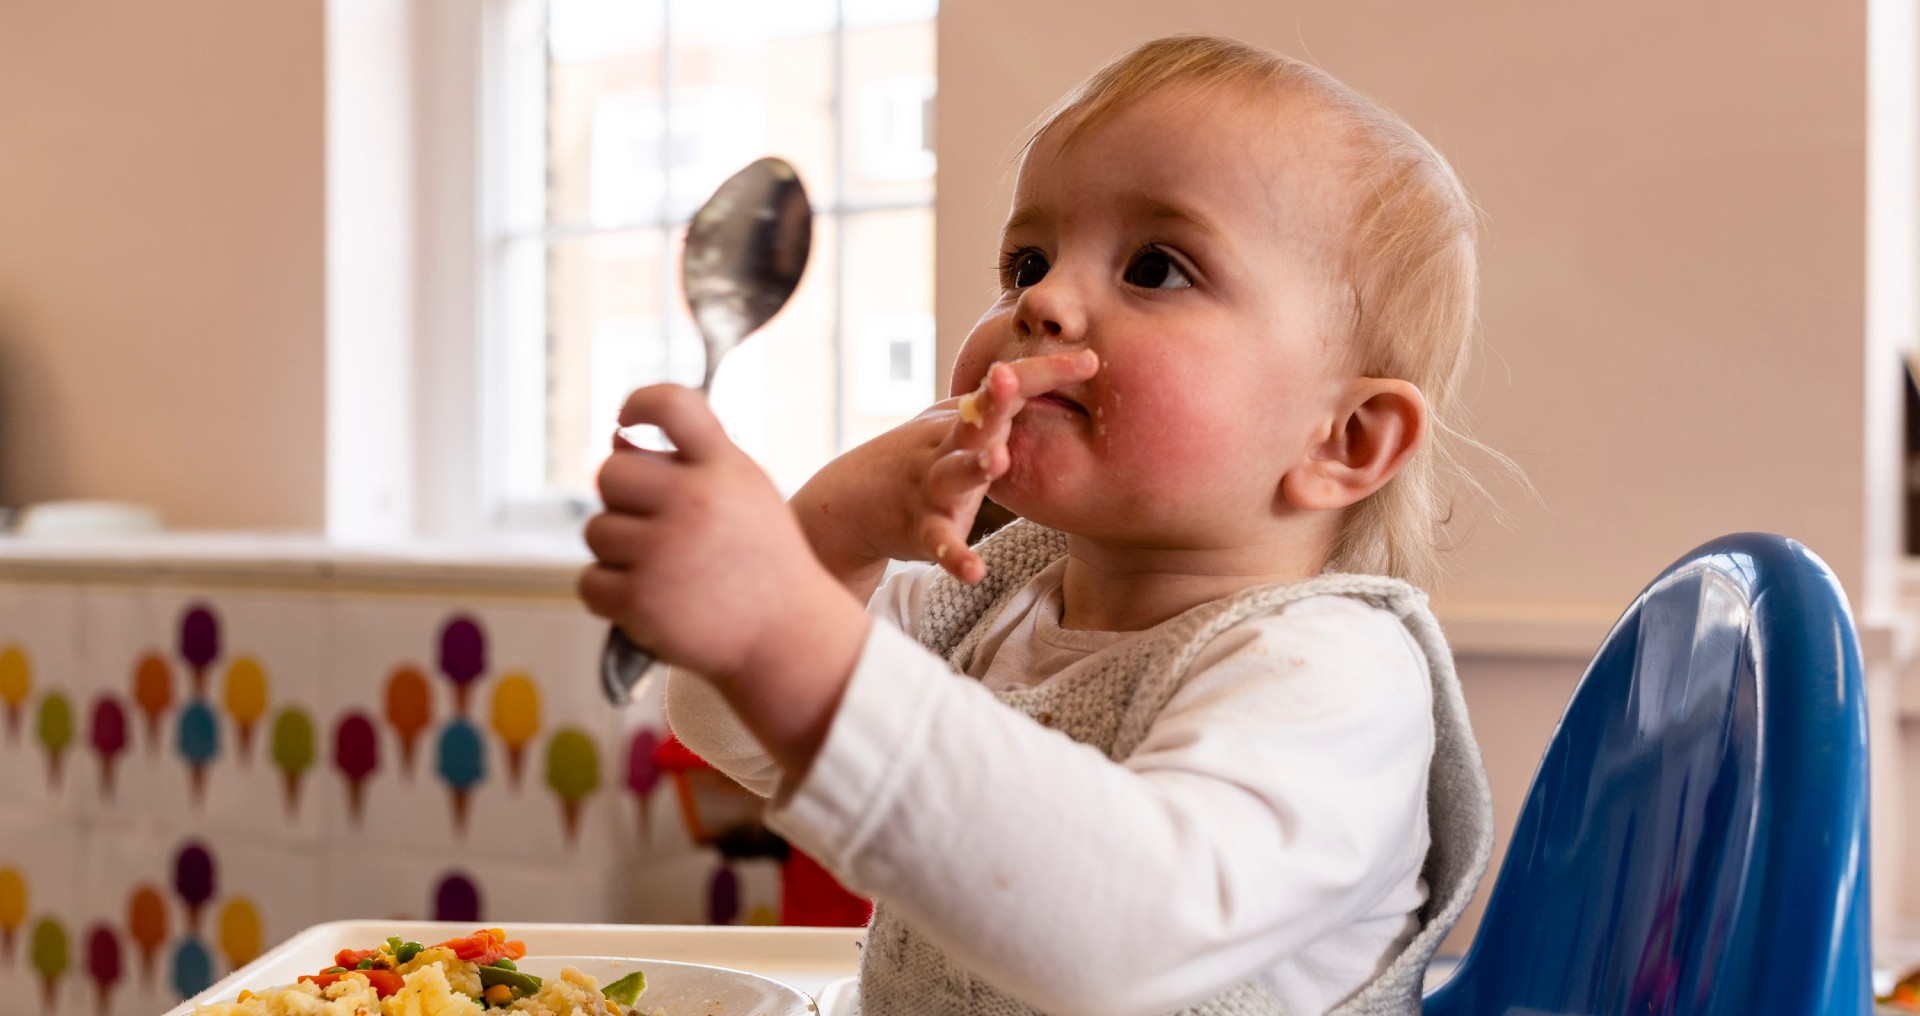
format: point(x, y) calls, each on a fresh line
point(1182, 738)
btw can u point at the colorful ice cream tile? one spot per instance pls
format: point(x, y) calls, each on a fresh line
point(185, 905)
point(244, 756)
point(42, 884)
point(40, 680)
point(526, 669)
point(381, 659)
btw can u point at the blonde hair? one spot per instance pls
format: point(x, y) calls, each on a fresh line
point(1409, 264)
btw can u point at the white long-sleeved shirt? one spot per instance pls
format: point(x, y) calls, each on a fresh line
point(1272, 824)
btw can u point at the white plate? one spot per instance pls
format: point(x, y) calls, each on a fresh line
point(685, 989)
point(806, 958)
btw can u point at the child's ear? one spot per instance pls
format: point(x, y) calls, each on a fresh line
point(1383, 422)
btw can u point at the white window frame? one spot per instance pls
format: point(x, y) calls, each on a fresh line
point(423, 187)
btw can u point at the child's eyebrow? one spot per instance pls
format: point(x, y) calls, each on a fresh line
point(1143, 206)
point(1025, 215)
point(1158, 210)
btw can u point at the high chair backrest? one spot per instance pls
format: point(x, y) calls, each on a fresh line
point(1695, 840)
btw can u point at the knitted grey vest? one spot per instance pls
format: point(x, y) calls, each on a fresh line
point(1111, 707)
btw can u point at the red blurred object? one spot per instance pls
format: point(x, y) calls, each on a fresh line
point(809, 895)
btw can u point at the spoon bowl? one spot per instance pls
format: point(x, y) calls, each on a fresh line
point(746, 249)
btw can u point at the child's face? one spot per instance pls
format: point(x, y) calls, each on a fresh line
point(1189, 242)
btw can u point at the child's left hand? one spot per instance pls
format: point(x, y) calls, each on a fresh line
point(700, 560)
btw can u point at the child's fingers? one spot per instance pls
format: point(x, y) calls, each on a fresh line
point(960, 475)
point(604, 590)
point(682, 414)
point(1038, 375)
point(984, 408)
point(1008, 385)
point(616, 539)
point(947, 546)
point(635, 482)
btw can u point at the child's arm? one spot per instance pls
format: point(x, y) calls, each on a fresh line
point(1276, 809)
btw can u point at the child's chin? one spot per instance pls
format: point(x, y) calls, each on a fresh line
point(1040, 503)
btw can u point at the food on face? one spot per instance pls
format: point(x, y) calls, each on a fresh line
point(465, 976)
point(970, 409)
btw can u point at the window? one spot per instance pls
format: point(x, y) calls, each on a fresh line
point(616, 118)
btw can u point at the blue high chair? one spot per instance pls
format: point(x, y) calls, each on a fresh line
point(1695, 841)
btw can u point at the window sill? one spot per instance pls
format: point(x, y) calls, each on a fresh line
point(538, 566)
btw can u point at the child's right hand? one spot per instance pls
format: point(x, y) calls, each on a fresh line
point(911, 494)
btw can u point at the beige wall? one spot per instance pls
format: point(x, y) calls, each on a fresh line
point(162, 256)
point(1674, 262)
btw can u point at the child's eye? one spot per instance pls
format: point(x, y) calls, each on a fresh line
point(1153, 268)
point(1023, 268)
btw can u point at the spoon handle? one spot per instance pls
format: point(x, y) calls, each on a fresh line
point(626, 668)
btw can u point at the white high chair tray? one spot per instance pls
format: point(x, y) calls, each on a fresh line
point(808, 959)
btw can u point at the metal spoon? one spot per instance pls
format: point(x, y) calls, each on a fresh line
point(746, 248)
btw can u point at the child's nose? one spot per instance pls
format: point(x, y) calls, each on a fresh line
point(1049, 309)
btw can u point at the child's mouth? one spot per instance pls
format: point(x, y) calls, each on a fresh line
point(1061, 401)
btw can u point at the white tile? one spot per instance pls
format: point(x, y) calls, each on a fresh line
point(493, 891)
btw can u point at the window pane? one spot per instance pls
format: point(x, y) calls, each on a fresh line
point(887, 301)
point(775, 393)
point(749, 78)
point(609, 332)
point(630, 113)
point(888, 139)
point(604, 116)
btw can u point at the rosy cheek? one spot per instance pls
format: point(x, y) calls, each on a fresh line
point(968, 372)
point(984, 344)
point(1161, 430)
